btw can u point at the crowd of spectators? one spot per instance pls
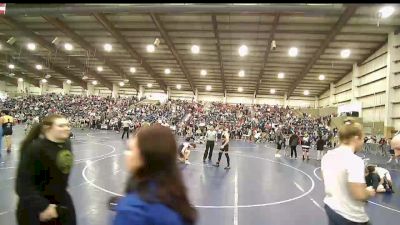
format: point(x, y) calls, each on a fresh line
point(253, 123)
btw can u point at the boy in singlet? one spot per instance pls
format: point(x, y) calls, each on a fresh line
point(8, 123)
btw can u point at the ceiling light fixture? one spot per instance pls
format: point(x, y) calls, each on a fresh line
point(47, 76)
point(321, 77)
point(208, 87)
point(108, 47)
point(178, 86)
point(121, 84)
point(39, 67)
point(272, 91)
point(149, 85)
point(31, 46)
point(195, 49)
point(293, 52)
point(281, 75)
point(69, 82)
point(99, 68)
point(68, 46)
point(44, 81)
point(85, 77)
point(203, 72)
point(306, 92)
point(156, 42)
point(167, 71)
point(241, 73)
point(243, 50)
point(94, 82)
point(240, 89)
point(132, 70)
point(20, 80)
point(345, 53)
point(150, 48)
point(11, 66)
point(386, 11)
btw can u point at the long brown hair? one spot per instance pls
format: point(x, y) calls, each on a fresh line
point(160, 179)
point(37, 129)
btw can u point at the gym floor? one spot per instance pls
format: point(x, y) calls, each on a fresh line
point(258, 189)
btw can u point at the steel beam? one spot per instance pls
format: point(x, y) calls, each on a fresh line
point(267, 51)
point(134, 54)
point(44, 43)
point(86, 45)
point(261, 8)
point(172, 48)
point(342, 21)
point(221, 63)
point(51, 66)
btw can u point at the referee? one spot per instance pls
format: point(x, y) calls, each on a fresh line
point(211, 137)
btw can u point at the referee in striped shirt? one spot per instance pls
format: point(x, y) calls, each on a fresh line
point(211, 137)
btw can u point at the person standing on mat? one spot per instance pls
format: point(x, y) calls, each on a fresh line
point(8, 123)
point(125, 126)
point(42, 178)
point(224, 149)
point(320, 148)
point(294, 141)
point(155, 191)
point(346, 192)
point(211, 137)
point(1, 135)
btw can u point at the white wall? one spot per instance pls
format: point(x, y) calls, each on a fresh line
point(369, 86)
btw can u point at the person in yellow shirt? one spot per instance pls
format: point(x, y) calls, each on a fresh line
point(7, 123)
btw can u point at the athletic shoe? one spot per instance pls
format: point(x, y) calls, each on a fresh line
point(227, 168)
point(187, 162)
point(216, 165)
point(204, 161)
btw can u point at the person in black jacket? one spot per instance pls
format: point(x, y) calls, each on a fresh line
point(293, 141)
point(45, 164)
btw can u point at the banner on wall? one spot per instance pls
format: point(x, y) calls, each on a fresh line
point(350, 109)
point(3, 8)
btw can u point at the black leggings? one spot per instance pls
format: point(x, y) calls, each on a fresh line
point(209, 145)
point(293, 149)
point(226, 155)
point(126, 131)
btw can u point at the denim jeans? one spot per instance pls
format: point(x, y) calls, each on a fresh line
point(336, 219)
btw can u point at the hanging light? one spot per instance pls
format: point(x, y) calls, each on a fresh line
point(68, 46)
point(11, 66)
point(150, 48)
point(195, 49)
point(69, 82)
point(243, 50)
point(31, 46)
point(241, 73)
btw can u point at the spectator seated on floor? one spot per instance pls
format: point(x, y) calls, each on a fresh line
point(379, 179)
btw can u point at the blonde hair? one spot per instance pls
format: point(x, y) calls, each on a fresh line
point(349, 130)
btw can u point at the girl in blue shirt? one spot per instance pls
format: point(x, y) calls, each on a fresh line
point(155, 193)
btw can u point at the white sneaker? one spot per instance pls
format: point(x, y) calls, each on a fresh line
point(187, 162)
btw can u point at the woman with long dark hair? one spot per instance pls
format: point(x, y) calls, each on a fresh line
point(42, 178)
point(155, 193)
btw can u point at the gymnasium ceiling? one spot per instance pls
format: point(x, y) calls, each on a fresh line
point(319, 32)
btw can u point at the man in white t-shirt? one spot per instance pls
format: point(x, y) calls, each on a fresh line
point(343, 173)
